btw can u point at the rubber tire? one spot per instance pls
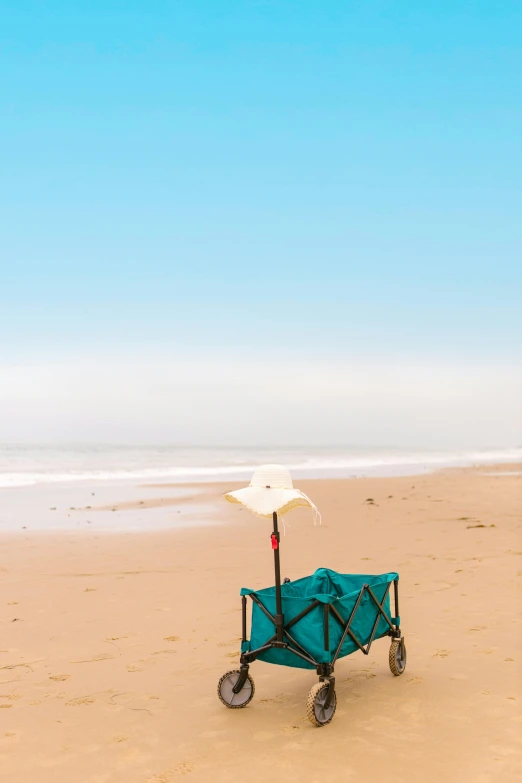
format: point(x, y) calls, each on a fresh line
point(311, 701)
point(235, 706)
point(397, 665)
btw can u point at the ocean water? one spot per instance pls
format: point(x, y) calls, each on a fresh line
point(42, 464)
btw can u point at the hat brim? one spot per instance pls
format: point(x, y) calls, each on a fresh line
point(266, 501)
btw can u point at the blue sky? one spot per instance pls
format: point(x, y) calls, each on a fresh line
point(331, 181)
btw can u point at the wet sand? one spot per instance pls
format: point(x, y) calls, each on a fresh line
point(113, 643)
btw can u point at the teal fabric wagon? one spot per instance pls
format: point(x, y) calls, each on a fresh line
point(318, 608)
point(309, 624)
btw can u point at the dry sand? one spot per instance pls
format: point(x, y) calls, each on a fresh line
point(112, 644)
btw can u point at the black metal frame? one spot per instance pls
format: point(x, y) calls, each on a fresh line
point(282, 639)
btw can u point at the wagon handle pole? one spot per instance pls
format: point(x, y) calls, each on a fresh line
point(277, 567)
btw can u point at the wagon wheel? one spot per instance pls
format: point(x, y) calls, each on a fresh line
point(316, 712)
point(397, 657)
point(226, 693)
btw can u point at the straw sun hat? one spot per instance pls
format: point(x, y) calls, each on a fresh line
point(270, 490)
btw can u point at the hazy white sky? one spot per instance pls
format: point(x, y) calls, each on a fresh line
point(319, 203)
point(235, 400)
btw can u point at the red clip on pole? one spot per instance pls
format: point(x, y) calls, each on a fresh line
point(275, 543)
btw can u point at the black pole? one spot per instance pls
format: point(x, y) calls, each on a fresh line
point(243, 617)
point(396, 596)
point(277, 568)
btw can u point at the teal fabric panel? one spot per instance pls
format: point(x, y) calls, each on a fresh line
point(326, 586)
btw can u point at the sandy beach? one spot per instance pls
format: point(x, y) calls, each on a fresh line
point(113, 643)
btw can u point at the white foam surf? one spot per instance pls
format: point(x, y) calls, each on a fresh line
point(26, 466)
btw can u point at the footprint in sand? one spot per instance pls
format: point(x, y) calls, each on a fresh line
point(9, 697)
point(128, 701)
point(164, 652)
point(80, 700)
point(415, 680)
point(275, 699)
point(171, 638)
point(291, 729)
point(101, 657)
point(119, 738)
point(230, 643)
point(183, 768)
point(355, 678)
point(441, 654)
point(232, 655)
point(59, 677)
point(446, 585)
